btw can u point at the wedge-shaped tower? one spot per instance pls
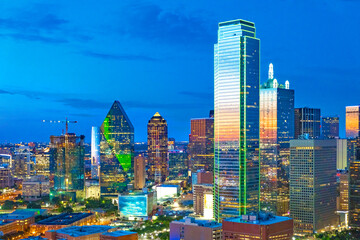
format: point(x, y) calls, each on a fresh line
point(116, 151)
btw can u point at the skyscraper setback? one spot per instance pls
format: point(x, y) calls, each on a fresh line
point(158, 149)
point(237, 79)
point(116, 151)
point(276, 131)
point(352, 121)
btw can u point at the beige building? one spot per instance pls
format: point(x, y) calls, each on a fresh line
point(78, 232)
point(35, 188)
point(139, 172)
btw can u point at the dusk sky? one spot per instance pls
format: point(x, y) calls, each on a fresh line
point(74, 58)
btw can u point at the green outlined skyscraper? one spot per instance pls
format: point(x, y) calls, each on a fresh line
point(237, 79)
point(116, 151)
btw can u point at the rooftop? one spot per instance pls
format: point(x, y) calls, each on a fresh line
point(118, 233)
point(200, 223)
point(15, 216)
point(77, 231)
point(258, 219)
point(2, 223)
point(64, 219)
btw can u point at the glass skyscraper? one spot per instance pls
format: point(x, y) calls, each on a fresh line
point(354, 183)
point(276, 131)
point(353, 121)
point(330, 127)
point(116, 151)
point(237, 80)
point(307, 122)
point(158, 149)
point(67, 154)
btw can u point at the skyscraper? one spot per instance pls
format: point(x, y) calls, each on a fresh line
point(276, 131)
point(307, 122)
point(354, 184)
point(237, 79)
point(95, 152)
point(353, 121)
point(67, 157)
point(313, 185)
point(201, 144)
point(330, 127)
point(139, 172)
point(158, 149)
point(116, 151)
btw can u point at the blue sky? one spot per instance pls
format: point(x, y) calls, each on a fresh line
point(74, 58)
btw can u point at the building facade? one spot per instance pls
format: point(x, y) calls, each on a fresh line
point(191, 228)
point(139, 172)
point(67, 154)
point(276, 131)
point(330, 127)
point(203, 198)
point(201, 144)
point(352, 121)
point(95, 152)
point(307, 122)
point(236, 131)
point(36, 188)
point(158, 164)
point(354, 185)
point(313, 185)
point(116, 151)
point(258, 227)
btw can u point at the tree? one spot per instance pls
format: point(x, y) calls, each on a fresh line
point(8, 205)
point(33, 205)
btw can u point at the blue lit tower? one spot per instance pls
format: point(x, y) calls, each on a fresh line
point(237, 79)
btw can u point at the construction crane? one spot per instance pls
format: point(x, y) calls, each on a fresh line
point(62, 121)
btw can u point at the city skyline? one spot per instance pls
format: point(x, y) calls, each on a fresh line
point(61, 33)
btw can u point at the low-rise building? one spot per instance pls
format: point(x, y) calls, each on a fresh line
point(61, 221)
point(119, 235)
point(137, 205)
point(22, 219)
point(35, 188)
point(167, 191)
point(8, 227)
point(191, 228)
point(261, 226)
point(78, 232)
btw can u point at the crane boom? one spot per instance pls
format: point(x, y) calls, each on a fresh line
point(62, 121)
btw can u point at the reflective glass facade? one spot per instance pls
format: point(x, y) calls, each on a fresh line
point(330, 127)
point(352, 121)
point(158, 149)
point(67, 154)
point(276, 131)
point(236, 137)
point(307, 122)
point(137, 204)
point(116, 151)
point(95, 152)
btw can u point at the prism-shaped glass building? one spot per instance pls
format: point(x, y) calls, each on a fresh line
point(116, 151)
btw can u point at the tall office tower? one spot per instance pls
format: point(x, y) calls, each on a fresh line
point(354, 185)
point(276, 131)
point(158, 149)
point(237, 80)
point(171, 143)
point(342, 154)
point(178, 164)
point(313, 185)
point(353, 121)
point(42, 163)
point(330, 127)
point(22, 162)
point(116, 151)
point(139, 172)
point(201, 144)
point(343, 202)
point(95, 152)
point(307, 122)
point(67, 157)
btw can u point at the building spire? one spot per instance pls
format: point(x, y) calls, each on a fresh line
point(271, 71)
